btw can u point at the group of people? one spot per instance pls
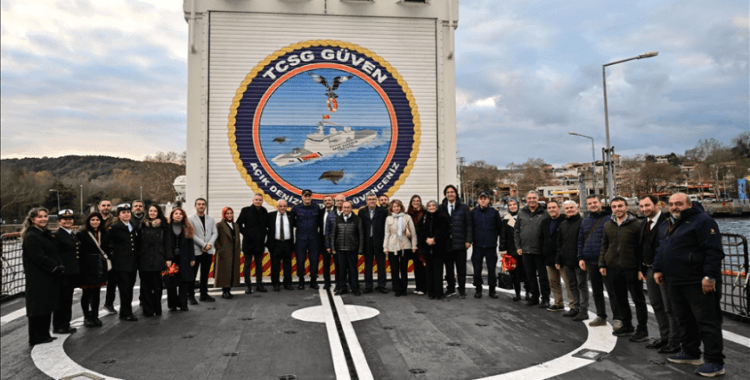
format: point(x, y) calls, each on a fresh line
point(679, 255)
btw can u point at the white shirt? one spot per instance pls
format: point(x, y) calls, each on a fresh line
point(654, 220)
point(67, 230)
point(451, 206)
point(287, 232)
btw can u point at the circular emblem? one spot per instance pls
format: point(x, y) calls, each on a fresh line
point(323, 115)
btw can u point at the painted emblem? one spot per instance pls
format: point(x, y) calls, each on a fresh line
point(323, 115)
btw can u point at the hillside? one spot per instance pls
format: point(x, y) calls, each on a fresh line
point(72, 166)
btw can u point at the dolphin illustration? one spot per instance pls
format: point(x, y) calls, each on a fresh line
point(280, 140)
point(332, 175)
point(330, 89)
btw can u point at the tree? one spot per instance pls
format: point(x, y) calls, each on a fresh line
point(654, 177)
point(534, 175)
point(480, 176)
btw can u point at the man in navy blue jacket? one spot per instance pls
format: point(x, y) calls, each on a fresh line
point(459, 242)
point(373, 222)
point(589, 249)
point(487, 228)
point(689, 258)
point(305, 218)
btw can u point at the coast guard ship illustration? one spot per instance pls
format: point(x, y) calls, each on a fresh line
point(319, 144)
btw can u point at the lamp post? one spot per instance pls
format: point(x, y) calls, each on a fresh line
point(593, 155)
point(141, 198)
point(58, 198)
point(610, 168)
point(81, 200)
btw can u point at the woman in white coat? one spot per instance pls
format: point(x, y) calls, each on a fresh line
point(400, 239)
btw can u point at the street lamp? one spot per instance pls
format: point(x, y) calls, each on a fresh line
point(608, 149)
point(81, 199)
point(593, 155)
point(58, 198)
point(141, 198)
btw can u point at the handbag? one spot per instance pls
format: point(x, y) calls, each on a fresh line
point(170, 277)
point(504, 278)
point(106, 257)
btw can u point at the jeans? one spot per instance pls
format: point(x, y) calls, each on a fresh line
point(400, 270)
point(699, 320)
point(619, 283)
point(554, 276)
point(597, 286)
point(490, 256)
point(457, 258)
point(535, 267)
point(305, 246)
point(659, 298)
point(578, 286)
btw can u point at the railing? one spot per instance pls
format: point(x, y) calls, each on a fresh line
point(14, 279)
point(735, 299)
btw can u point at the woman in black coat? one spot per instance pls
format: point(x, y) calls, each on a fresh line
point(156, 255)
point(184, 256)
point(518, 274)
point(433, 243)
point(41, 265)
point(94, 266)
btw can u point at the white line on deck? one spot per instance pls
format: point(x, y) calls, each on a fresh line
point(337, 350)
point(358, 356)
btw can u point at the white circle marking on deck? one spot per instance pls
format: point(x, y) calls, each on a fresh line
point(317, 314)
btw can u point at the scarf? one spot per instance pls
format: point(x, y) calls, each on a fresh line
point(400, 219)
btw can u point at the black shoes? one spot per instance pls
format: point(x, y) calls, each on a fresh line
point(110, 309)
point(516, 298)
point(557, 308)
point(478, 294)
point(206, 298)
point(226, 295)
point(657, 344)
point(68, 330)
point(367, 291)
point(314, 285)
point(288, 287)
point(261, 289)
point(301, 286)
point(624, 331)
point(248, 290)
point(669, 349)
point(129, 318)
point(383, 290)
point(192, 300)
point(172, 309)
point(493, 295)
point(449, 293)
point(544, 304)
point(532, 302)
point(356, 292)
point(639, 336)
point(88, 322)
point(582, 316)
point(570, 313)
point(276, 288)
point(184, 308)
point(48, 340)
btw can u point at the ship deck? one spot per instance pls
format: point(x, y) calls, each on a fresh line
point(373, 336)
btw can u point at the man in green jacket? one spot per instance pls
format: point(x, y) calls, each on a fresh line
point(619, 263)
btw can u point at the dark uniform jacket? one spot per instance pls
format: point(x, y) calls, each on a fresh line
point(322, 232)
point(68, 249)
point(253, 222)
point(567, 241)
point(650, 241)
point(156, 246)
point(690, 248)
point(348, 235)
point(378, 226)
point(487, 227)
point(125, 247)
point(590, 236)
point(40, 259)
point(306, 221)
point(271, 241)
point(620, 248)
point(433, 225)
point(461, 224)
point(549, 239)
point(93, 265)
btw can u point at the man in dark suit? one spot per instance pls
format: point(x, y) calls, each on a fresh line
point(668, 341)
point(253, 222)
point(125, 242)
point(281, 244)
point(347, 238)
point(328, 209)
point(373, 223)
point(67, 248)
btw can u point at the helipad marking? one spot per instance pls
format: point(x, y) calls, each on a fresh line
point(337, 350)
point(358, 356)
point(317, 313)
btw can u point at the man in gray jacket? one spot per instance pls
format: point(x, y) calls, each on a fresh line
point(205, 236)
point(528, 238)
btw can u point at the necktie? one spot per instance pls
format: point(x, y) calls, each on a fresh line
point(346, 218)
point(451, 210)
point(282, 227)
point(648, 228)
point(372, 213)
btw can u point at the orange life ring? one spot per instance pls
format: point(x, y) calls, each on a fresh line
point(332, 104)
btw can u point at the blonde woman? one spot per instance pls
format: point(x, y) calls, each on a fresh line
point(400, 240)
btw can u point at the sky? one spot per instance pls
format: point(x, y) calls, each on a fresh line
point(88, 77)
